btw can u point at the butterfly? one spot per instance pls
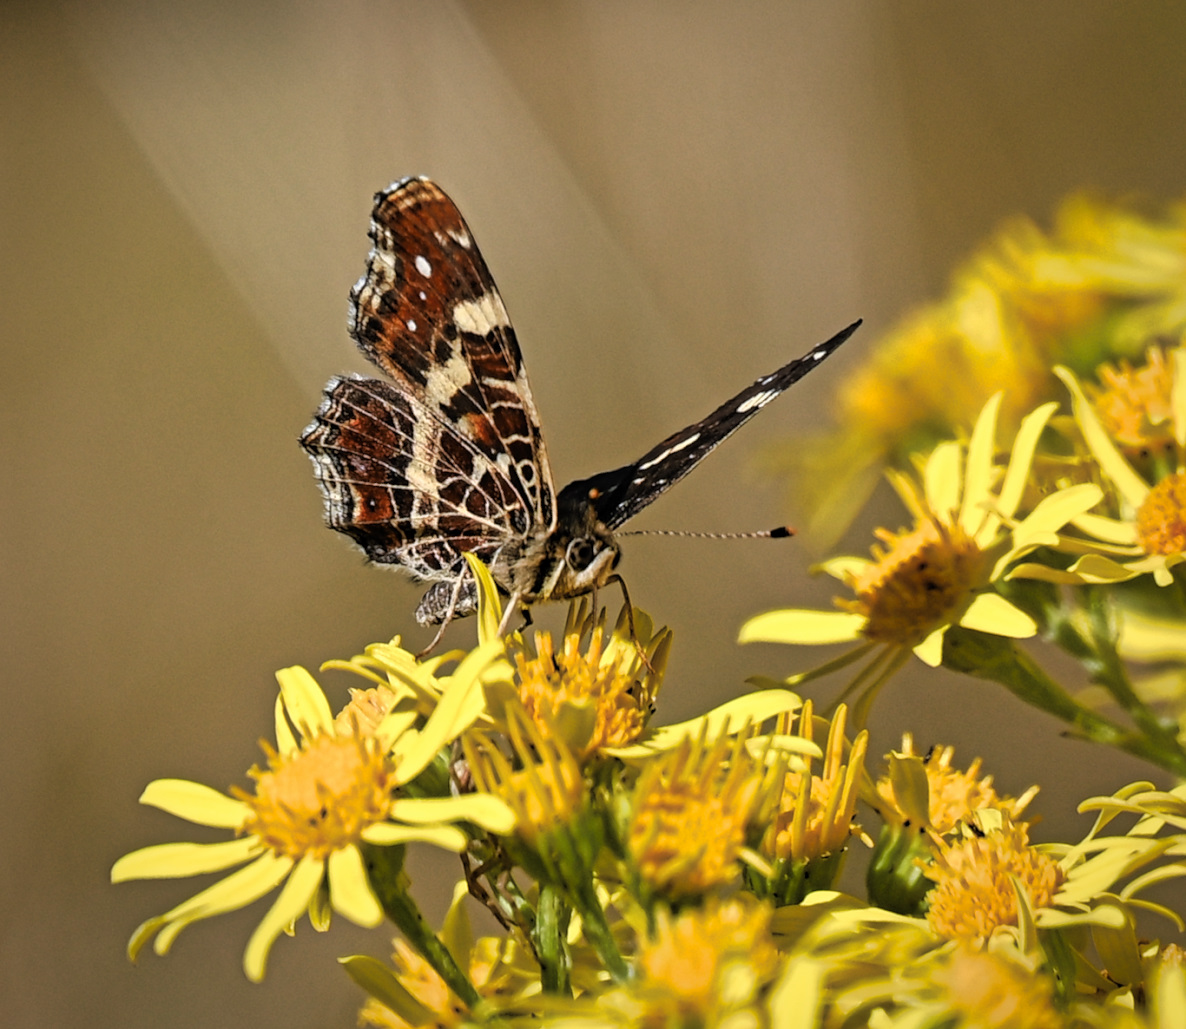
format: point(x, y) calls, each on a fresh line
point(445, 456)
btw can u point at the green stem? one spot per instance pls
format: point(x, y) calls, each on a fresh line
point(385, 869)
point(999, 660)
point(551, 926)
point(584, 900)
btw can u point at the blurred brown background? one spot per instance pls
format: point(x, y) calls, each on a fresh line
point(674, 197)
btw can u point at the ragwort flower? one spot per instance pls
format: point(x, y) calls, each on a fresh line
point(327, 790)
point(1104, 279)
point(1149, 534)
point(941, 572)
point(691, 811)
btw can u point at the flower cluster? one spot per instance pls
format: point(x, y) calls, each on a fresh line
point(686, 874)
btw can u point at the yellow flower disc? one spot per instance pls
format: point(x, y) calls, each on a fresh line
point(922, 580)
point(321, 797)
point(1134, 404)
point(973, 892)
point(1161, 519)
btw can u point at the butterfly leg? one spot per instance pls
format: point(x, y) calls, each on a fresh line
point(513, 604)
point(629, 618)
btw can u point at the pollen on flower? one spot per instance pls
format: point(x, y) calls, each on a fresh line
point(973, 892)
point(921, 579)
point(1161, 519)
point(1134, 404)
point(367, 708)
point(953, 795)
point(321, 797)
point(690, 816)
point(689, 955)
point(622, 704)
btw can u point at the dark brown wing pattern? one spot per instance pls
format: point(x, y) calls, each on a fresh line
point(448, 457)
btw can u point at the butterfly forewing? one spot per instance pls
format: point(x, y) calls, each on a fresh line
point(620, 494)
point(428, 313)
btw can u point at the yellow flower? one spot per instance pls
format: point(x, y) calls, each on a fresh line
point(691, 809)
point(927, 791)
point(328, 789)
point(993, 990)
point(1104, 279)
point(815, 813)
point(1149, 536)
point(544, 788)
point(705, 966)
point(974, 892)
point(941, 572)
point(603, 697)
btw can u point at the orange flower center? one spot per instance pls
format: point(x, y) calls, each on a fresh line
point(321, 797)
point(1161, 519)
point(922, 579)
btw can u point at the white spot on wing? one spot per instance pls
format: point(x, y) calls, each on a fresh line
point(757, 400)
point(411, 325)
point(422, 266)
point(482, 315)
point(669, 451)
point(423, 295)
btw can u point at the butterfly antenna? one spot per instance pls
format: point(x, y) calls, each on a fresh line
point(777, 533)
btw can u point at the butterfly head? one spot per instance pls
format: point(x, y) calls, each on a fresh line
point(580, 554)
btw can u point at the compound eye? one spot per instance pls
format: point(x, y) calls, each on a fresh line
point(579, 554)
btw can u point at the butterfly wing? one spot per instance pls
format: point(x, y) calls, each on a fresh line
point(448, 456)
point(405, 486)
point(427, 312)
point(620, 494)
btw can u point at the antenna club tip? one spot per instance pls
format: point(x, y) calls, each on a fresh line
point(782, 532)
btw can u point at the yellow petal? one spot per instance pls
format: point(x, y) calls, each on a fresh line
point(305, 702)
point(1053, 512)
point(482, 809)
point(285, 741)
point(1110, 530)
point(237, 890)
point(195, 803)
point(930, 650)
point(795, 1000)
point(990, 612)
point(381, 983)
point(1178, 396)
point(386, 834)
point(731, 716)
point(460, 706)
point(1130, 485)
point(489, 602)
point(1145, 638)
point(1096, 568)
point(181, 860)
point(1022, 457)
point(289, 906)
point(943, 480)
point(978, 473)
point(349, 889)
point(799, 625)
point(843, 568)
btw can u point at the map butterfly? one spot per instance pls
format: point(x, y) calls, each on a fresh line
point(445, 456)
